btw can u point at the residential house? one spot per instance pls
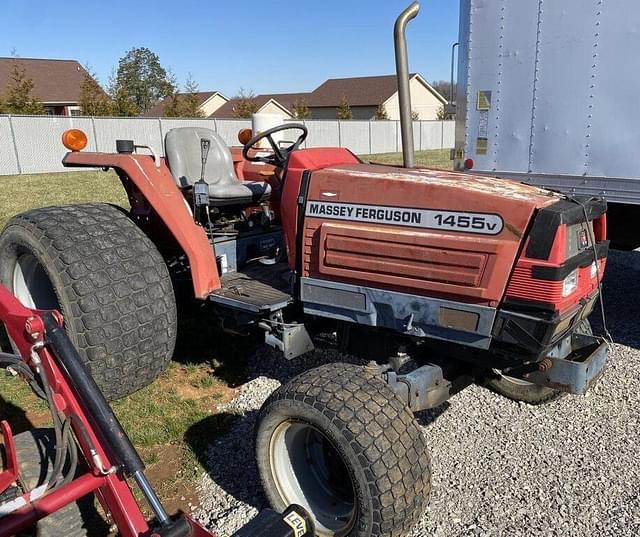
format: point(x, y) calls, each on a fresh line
point(365, 94)
point(271, 103)
point(208, 101)
point(56, 83)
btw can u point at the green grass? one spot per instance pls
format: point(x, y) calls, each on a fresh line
point(20, 193)
point(436, 158)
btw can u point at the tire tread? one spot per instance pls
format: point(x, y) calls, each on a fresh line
point(122, 312)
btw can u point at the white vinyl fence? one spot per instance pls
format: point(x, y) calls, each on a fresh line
point(32, 144)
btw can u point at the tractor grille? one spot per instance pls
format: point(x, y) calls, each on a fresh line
point(419, 261)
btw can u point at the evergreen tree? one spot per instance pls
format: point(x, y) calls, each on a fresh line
point(186, 104)
point(441, 114)
point(381, 112)
point(191, 100)
point(94, 101)
point(139, 82)
point(300, 109)
point(19, 98)
point(344, 110)
point(122, 103)
point(246, 104)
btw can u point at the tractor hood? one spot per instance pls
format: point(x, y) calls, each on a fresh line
point(421, 188)
point(420, 230)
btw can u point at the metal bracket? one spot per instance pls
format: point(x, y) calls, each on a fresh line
point(428, 386)
point(290, 338)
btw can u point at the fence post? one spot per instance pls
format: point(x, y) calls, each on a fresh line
point(95, 135)
point(161, 136)
point(370, 143)
point(339, 134)
point(304, 145)
point(441, 134)
point(15, 145)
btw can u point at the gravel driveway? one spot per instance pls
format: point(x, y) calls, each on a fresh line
point(500, 468)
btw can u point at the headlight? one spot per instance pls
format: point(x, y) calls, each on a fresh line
point(570, 284)
point(594, 270)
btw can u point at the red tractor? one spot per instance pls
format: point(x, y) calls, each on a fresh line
point(440, 279)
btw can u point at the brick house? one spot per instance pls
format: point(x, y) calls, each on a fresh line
point(56, 83)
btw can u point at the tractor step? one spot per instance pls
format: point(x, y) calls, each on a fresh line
point(256, 288)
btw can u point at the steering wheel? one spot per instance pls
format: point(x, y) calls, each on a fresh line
point(280, 154)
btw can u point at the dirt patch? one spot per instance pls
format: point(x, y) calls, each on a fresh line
point(197, 384)
point(167, 475)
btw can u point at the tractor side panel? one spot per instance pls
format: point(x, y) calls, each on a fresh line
point(302, 164)
point(355, 232)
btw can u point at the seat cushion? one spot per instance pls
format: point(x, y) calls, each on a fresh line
point(183, 154)
point(239, 192)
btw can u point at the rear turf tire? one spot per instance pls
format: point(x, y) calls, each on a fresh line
point(338, 441)
point(520, 390)
point(36, 453)
point(109, 281)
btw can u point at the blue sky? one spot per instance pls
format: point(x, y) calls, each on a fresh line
point(267, 46)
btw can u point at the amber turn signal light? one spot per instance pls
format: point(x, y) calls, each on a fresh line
point(244, 136)
point(74, 139)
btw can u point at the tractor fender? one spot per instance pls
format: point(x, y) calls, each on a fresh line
point(156, 185)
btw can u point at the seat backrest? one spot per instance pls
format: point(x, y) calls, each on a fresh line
point(184, 157)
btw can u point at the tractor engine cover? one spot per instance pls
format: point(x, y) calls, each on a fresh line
point(424, 252)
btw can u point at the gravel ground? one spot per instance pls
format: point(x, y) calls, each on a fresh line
point(500, 468)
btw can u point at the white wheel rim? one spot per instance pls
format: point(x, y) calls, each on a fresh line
point(514, 380)
point(302, 470)
point(31, 284)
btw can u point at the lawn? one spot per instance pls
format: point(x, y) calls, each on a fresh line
point(172, 421)
point(433, 158)
point(19, 193)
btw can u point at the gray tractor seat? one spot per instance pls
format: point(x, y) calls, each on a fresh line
point(182, 151)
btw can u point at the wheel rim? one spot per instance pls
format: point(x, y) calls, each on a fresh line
point(31, 284)
point(513, 380)
point(309, 471)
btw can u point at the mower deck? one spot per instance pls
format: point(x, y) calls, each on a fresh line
point(256, 288)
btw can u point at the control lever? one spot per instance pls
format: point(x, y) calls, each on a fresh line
point(201, 187)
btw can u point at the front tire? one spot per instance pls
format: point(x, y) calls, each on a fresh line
point(521, 390)
point(109, 281)
point(337, 441)
point(36, 452)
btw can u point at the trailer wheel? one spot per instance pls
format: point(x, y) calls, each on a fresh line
point(109, 281)
point(337, 441)
point(521, 390)
point(36, 452)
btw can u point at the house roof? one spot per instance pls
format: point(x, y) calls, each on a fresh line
point(283, 100)
point(287, 99)
point(360, 91)
point(157, 110)
point(54, 81)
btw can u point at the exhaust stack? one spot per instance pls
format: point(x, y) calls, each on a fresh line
point(402, 72)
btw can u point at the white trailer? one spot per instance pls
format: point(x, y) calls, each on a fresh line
point(549, 94)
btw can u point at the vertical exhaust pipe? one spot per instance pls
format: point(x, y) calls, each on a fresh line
point(453, 90)
point(402, 73)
